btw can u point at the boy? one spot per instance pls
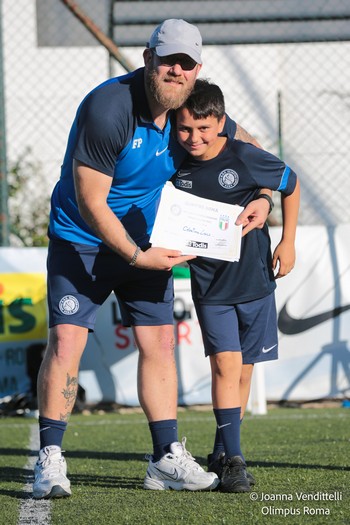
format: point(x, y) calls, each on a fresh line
point(235, 302)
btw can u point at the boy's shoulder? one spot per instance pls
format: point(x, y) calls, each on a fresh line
point(238, 146)
point(249, 152)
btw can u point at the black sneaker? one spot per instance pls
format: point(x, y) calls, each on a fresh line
point(216, 464)
point(234, 476)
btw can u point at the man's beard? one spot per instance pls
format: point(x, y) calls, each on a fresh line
point(164, 93)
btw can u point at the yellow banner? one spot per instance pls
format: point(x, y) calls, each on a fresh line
point(23, 314)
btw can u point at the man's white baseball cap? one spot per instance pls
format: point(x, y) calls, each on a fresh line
point(174, 36)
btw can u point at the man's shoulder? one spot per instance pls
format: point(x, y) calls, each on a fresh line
point(120, 83)
point(115, 94)
point(230, 127)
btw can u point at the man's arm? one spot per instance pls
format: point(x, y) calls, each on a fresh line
point(92, 189)
point(254, 215)
point(256, 212)
point(244, 136)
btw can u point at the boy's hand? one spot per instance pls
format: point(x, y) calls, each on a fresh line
point(283, 258)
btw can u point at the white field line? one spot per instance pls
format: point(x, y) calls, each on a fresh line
point(32, 511)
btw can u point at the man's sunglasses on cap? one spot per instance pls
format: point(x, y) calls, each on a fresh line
point(187, 63)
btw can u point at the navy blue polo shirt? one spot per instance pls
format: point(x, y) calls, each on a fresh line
point(235, 176)
point(113, 133)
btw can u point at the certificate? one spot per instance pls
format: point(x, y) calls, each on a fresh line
point(197, 226)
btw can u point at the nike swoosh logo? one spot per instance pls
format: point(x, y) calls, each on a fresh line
point(290, 326)
point(172, 475)
point(183, 173)
point(266, 350)
point(160, 152)
point(225, 425)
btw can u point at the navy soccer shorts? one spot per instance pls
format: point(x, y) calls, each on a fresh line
point(250, 328)
point(81, 277)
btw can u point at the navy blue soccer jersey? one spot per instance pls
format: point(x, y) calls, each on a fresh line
point(235, 176)
point(114, 133)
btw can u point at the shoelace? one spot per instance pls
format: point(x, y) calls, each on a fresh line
point(49, 461)
point(186, 457)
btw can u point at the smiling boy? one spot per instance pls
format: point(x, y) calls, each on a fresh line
point(235, 302)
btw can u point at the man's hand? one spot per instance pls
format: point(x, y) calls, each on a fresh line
point(253, 216)
point(161, 259)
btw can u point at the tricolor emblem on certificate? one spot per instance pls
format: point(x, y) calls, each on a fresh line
point(224, 221)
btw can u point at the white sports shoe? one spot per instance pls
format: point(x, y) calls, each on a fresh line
point(178, 470)
point(50, 480)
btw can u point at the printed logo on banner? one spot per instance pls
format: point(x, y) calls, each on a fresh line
point(291, 326)
point(22, 306)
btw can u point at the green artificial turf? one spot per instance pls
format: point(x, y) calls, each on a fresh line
point(299, 457)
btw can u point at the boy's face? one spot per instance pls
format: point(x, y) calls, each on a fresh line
point(199, 137)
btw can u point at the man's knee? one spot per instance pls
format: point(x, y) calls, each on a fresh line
point(66, 343)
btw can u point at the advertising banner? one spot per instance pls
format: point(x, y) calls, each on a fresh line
point(23, 318)
point(313, 306)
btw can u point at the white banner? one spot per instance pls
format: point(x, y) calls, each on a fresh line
point(313, 304)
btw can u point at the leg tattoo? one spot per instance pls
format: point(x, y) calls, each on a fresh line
point(70, 394)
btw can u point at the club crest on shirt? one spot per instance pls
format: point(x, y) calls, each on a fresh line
point(69, 305)
point(228, 179)
point(224, 222)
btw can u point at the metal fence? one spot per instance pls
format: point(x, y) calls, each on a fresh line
point(285, 80)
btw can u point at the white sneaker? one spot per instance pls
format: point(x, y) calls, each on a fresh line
point(178, 470)
point(50, 480)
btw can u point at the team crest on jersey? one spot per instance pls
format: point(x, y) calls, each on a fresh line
point(69, 305)
point(228, 179)
point(224, 222)
point(183, 183)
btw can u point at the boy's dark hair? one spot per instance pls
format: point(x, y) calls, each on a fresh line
point(206, 100)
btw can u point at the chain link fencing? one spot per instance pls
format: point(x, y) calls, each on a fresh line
point(294, 97)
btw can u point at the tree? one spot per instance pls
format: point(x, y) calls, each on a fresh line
point(29, 201)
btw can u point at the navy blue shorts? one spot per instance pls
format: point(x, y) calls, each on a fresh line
point(250, 328)
point(81, 277)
